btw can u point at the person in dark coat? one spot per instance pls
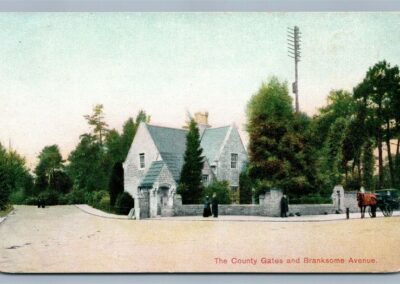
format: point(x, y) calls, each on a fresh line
point(214, 205)
point(207, 208)
point(284, 206)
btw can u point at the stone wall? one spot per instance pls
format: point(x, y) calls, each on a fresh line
point(350, 201)
point(223, 209)
point(312, 209)
point(269, 205)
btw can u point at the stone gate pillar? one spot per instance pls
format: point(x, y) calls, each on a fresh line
point(338, 198)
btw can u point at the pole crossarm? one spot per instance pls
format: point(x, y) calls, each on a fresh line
point(294, 40)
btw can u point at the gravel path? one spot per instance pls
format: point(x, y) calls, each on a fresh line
point(66, 239)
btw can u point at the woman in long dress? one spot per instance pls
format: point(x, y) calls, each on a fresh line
point(214, 205)
point(207, 209)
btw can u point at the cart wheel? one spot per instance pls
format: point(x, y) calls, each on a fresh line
point(387, 211)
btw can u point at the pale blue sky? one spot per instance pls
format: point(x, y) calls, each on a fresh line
point(55, 67)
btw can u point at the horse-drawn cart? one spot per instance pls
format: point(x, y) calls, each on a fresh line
point(387, 201)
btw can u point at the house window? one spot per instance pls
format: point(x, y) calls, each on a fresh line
point(141, 158)
point(205, 179)
point(234, 160)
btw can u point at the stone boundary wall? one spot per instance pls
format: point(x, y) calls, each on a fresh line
point(223, 209)
point(269, 205)
point(312, 209)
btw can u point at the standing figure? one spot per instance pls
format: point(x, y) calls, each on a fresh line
point(284, 206)
point(207, 209)
point(214, 205)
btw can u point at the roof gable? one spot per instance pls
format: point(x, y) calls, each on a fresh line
point(168, 140)
point(212, 141)
point(171, 144)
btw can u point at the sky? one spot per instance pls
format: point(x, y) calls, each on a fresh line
point(54, 67)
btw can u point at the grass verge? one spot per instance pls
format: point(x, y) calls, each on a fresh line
point(6, 211)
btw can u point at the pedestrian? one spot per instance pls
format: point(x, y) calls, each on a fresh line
point(214, 205)
point(207, 208)
point(284, 206)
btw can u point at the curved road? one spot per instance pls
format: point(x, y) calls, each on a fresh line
point(66, 239)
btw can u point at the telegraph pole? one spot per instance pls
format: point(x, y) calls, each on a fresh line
point(294, 52)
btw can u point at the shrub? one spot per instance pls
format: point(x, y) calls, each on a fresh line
point(76, 196)
point(62, 199)
point(18, 197)
point(32, 200)
point(124, 203)
point(221, 188)
point(104, 203)
point(50, 197)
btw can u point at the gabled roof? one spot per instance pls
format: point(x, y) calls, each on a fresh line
point(152, 174)
point(212, 140)
point(168, 140)
point(171, 144)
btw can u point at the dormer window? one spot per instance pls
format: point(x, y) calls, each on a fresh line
point(142, 161)
point(234, 160)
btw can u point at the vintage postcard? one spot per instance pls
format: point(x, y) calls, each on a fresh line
point(199, 142)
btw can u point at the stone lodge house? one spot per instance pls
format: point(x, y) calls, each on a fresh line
point(154, 162)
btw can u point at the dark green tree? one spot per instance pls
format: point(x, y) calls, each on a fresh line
point(14, 176)
point(245, 188)
point(334, 165)
point(190, 179)
point(88, 168)
point(113, 147)
point(269, 115)
point(116, 183)
point(279, 154)
point(50, 161)
point(377, 92)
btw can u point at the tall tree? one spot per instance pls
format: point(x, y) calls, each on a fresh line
point(380, 83)
point(334, 151)
point(280, 150)
point(269, 114)
point(88, 168)
point(245, 187)
point(368, 162)
point(50, 161)
point(190, 179)
point(14, 175)
point(96, 121)
point(116, 183)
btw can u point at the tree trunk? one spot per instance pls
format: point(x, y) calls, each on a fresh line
point(380, 159)
point(398, 147)
point(391, 168)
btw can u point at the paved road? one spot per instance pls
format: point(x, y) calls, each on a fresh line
point(66, 239)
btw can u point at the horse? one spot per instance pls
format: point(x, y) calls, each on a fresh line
point(367, 199)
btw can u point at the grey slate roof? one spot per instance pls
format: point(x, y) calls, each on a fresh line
point(168, 140)
point(212, 140)
point(171, 143)
point(152, 174)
